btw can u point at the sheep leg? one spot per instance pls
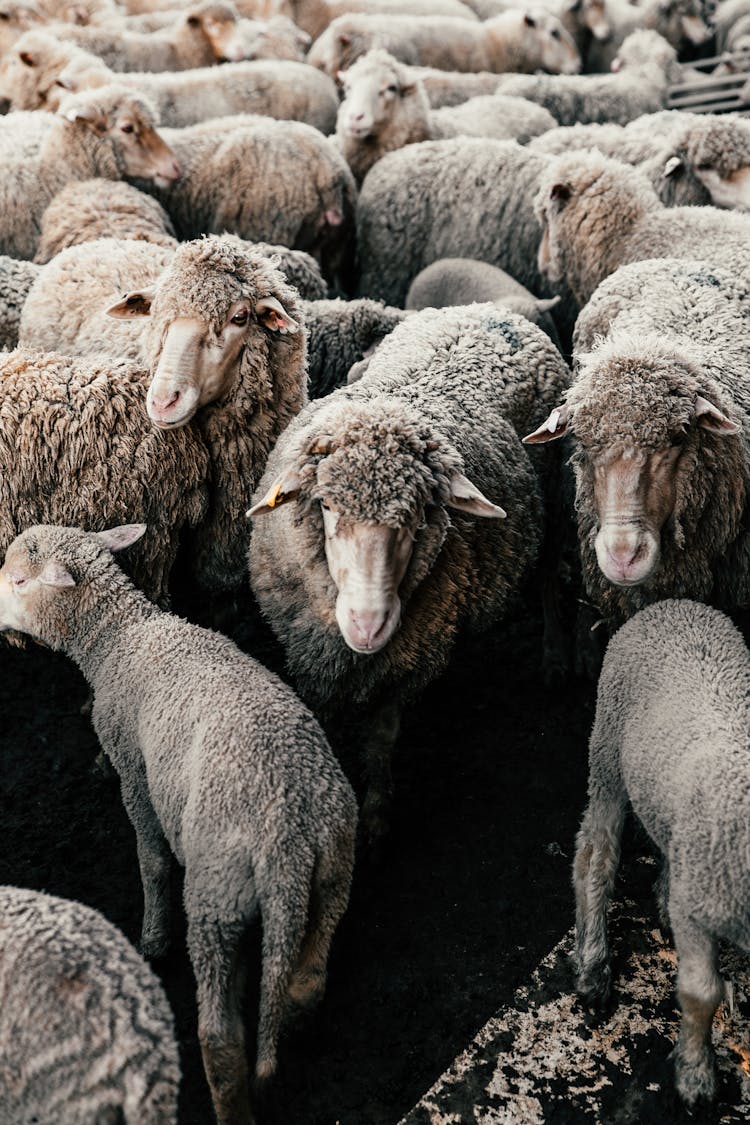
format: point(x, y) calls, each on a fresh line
point(154, 861)
point(700, 990)
point(661, 890)
point(594, 870)
point(284, 921)
point(216, 955)
point(328, 901)
point(379, 739)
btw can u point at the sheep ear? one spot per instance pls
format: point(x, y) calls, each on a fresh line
point(710, 418)
point(89, 115)
point(552, 428)
point(673, 165)
point(55, 574)
point(283, 489)
point(529, 20)
point(272, 314)
point(132, 304)
point(118, 538)
point(544, 304)
point(467, 498)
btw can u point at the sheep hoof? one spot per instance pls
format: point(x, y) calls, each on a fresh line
point(153, 948)
point(696, 1084)
point(595, 991)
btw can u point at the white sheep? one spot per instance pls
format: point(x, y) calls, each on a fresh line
point(671, 737)
point(86, 1033)
point(220, 764)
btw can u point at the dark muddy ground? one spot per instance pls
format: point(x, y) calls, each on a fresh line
point(472, 891)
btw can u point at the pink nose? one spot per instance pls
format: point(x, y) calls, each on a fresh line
point(623, 560)
point(162, 405)
point(172, 171)
point(367, 626)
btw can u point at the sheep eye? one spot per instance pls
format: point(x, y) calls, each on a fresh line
point(555, 33)
point(19, 581)
point(127, 128)
point(4, 16)
point(240, 317)
point(391, 89)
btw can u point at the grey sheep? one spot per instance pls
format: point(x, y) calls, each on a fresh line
point(597, 214)
point(267, 181)
point(368, 576)
point(647, 66)
point(659, 416)
point(671, 738)
point(517, 40)
point(213, 410)
point(200, 36)
point(91, 209)
point(16, 279)
point(39, 70)
point(461, 281)
point(690, 158)
point(407, 215)
point(680, 22)
point(219, 764)
point(384, 108)
point(86, 1030)
point(108, 133)
point(341, 334)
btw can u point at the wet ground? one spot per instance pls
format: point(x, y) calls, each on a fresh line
point(473, 889)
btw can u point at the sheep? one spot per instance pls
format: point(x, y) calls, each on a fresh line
point(86, 1028)
point(288, 91)
point(597, 214)
point(275, 38)
point(220, 764)
point(461, 281)
point(30, 70)
point(201, 36)
point(23, 134)
point(15, 19)
point(340, 335)
point(671, 737)
point(384, 109)
point(680, 22)
point(408, 216)
point(581, 18)
point(369, 576)
point(108, 132)
point(265, 180)
point(655, 411)
point(518, 40)
point(16, 279)
point(213, 412)
point(314, 16)
point(452, 87)
point(647, 66)
point(731, 24)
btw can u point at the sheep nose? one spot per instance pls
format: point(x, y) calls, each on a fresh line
point(367, 624)
point(4, 105)
point(162, 405)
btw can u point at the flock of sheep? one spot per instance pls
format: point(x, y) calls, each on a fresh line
point(353, 284)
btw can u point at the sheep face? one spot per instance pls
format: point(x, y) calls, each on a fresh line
point(217, 22)
point(81, 73)
point(15, 19)
point(593, 15)
point(277, 38)
point(637, 442)
point(374, 90)
point(28, 72)
point(718, 153)
point(545, 38)
point(375, 484)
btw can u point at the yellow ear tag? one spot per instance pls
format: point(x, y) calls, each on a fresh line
point(276, 497)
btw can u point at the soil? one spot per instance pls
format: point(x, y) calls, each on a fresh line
point(472, 890)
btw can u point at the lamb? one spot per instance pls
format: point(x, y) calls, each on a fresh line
point(267, 181)
point(108, 133)
point(201, 36)
point(368, 578)
point(517, 40)
point(16, 279)
point(213, 412)
point(340, 335)
point(407, 215)
point(597, 214)
point(252, 803)
point(314, 16)
point(680, 22)
point(461, 281)
point(655, 413)
point(108, 1049)
point(647, 66)
point(384, 109)
point(690, 158)
point(671, 737)
point(40, 69)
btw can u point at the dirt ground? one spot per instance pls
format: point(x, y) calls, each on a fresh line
point(472, 891)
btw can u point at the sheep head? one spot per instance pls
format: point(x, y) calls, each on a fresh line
point(217, 22)
point(377, 89)
point(717, 152)
point(378, 484)
point(640, 413)
point(29, 70)
point(217, 304)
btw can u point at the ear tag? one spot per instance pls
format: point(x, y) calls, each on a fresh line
point(276, 497)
